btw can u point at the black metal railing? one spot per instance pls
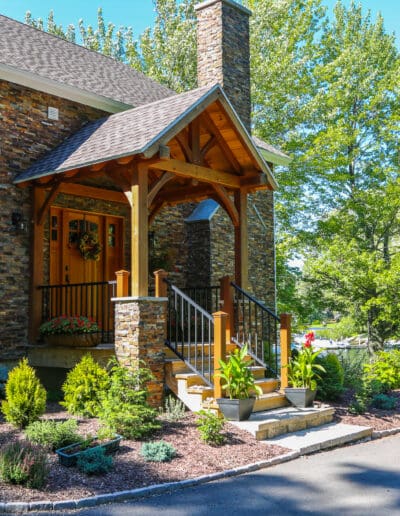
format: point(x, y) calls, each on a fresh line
point(206, 297)
point(190, 332)
point(87, 299)
point(256, 326)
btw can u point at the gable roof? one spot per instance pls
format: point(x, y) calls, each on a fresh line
point(139, 130)
point(48, 61)
point(271, 153)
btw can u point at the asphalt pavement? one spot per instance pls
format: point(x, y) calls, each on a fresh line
point(356, 480)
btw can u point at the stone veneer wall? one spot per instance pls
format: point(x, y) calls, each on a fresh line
point(26, 134)
point(223, 51)
point(140, 325)
point(198, 272)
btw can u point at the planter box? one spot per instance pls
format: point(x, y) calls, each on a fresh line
point(236, 410)
point(300, 396)
point(70, 459)
point(77, 340)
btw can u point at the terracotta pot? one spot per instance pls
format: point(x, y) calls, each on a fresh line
point(300, 396)
point(77, 340)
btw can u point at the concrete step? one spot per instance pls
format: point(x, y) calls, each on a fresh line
point(321, 438)
point(271, 423)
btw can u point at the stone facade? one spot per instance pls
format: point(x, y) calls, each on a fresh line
point(26, 134)
point(140, 325)
point(223, 52)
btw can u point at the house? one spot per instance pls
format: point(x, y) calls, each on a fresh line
point(90, 147)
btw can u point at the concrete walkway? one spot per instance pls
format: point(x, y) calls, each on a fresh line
point(357, 480)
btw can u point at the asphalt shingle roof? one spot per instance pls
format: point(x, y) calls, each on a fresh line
point(127, 133)
point(27, 49)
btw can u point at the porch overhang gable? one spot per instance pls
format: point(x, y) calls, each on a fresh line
point(139, 132)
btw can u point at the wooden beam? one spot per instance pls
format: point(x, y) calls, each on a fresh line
point(93, 192)
point(227, 203)
point(139, 231)
point(36, 265)
point(183, 144)
point(194, 135)
point(156, 187)
point(185, 194)
point(125, 160)
point(209, 145)
point(213, 129)
point(49, 199)
point(259, 182)
point(241, 241)
point(207, 175)
point(285, 345)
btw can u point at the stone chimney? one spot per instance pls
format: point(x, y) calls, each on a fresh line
point(223, 51)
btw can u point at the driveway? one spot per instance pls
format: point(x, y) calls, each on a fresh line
point(358, 480)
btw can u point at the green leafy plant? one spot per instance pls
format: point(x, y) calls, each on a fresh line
point(53, 434)
point(158, 451)
point(210, 427)
point(385, 368)
point(69, 325)
point(302, 368)
point(330, 383)
point(237, 376)
point(84, 388)
point(174, 409)
point(94, 462)
point(25, 396)
point(125, 410)
point(383, 401)
point(352, 363)
point(23, 463)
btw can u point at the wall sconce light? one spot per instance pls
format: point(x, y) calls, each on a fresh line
point(18, 223)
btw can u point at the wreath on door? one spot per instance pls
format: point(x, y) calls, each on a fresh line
point(89, 246)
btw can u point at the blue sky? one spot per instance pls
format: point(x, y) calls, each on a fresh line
point(139, 14)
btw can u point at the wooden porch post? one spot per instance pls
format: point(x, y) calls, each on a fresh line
point(37, 264)
point(285, 338)
point(122, 283)
point(161, 286)
point(139, 232)
point(227, 305)
point(220, 319)
point(241, 241)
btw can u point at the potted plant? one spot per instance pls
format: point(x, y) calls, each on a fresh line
point(67, 330)
point(303, 375)
point(239, 385)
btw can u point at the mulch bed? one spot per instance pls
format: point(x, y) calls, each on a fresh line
point(194, 458)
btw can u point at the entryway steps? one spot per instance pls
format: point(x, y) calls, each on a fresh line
point(321, 438)
point(272, 423)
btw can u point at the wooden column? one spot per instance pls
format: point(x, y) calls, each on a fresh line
point(227, 305)
point(285, 339)
point(36, 264)
point(241, 241)
point(220, 319)
point(161, 286)
point(139, 231)
point(122, 283)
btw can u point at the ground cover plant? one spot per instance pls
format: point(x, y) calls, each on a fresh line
point(53, 434)
point(158, 451)
point(94, 462)
point(23, 463)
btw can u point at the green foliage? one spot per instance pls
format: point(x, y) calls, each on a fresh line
point(303, 369)
point(383, 401)
point(84, 387)
point(124, 406)
point(330, 383)
point(25, 396)
point(94, 461)
point(210, 427)
point(23, 463)
point(352, 363)
point(385, 369)
point(69, 325)
point(237, 376)
point(344, 328)
point(174, 409)
point(158, 451)
point(53, 434)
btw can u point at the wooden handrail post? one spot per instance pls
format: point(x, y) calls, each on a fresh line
point(227, 304)
point(161, 286)
point(285, 338)
point(122, 283)
point(220, 320)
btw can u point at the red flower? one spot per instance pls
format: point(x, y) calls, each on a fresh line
point(310, 337)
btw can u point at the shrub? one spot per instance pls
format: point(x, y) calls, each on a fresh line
point(174, 409)
point(352, 364)
point(210, 427)
point(384, 369)
point(23, 463)
point(84, 388)
point(330, 383)
point(383, 401)
point(25, 396)
point(94, 461)
point(159, 451)
point(53, 434)
point(3, 380)
point(125, 409)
